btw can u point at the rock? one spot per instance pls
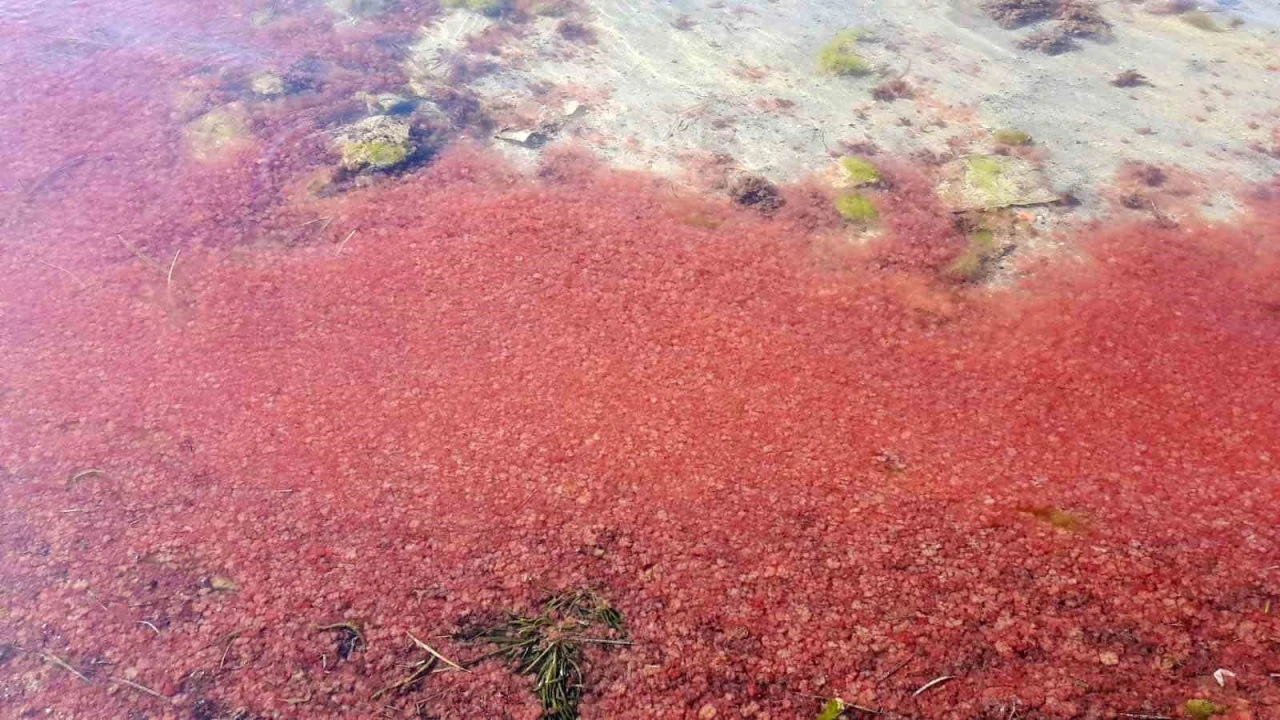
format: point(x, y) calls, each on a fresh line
point(988, 182)
point(386, 103)
point(756, 192)
point(267, 84)
point(356, 9)
point(217, 133)
point(379, 142)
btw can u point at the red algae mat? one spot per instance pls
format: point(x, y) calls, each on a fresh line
point(800, 470)
point(795, 477)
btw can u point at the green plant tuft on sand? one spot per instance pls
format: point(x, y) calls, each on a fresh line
point(1005, 136)
point(857, 209)
point(492, 8)
point(837, 57)
point(1201, 21)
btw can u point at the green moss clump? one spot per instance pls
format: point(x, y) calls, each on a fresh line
point(1201, 21)
point(857, 208)
point(1011, 137)
point(1199, 709)
point(859, 172)
point(833, 710)
point(375, 154)
point(838, 57)
point(492, 8)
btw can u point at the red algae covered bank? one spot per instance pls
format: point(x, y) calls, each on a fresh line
point(267, 451)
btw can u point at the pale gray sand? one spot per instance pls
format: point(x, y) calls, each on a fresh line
point(668, 84)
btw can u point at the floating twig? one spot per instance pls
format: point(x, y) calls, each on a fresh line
point(435, 654)
point(153, 627)
point(138, 253)
point(932, 684)
point(344, 242)
point(227, 641)
point(604, 641)
point(61, 269)
point(139, 687)
point(59, 662)
point(1141, 716)
point(352, 639)
point(84, 474)
point(168, 280)
point(896, 669)
point(297, 701)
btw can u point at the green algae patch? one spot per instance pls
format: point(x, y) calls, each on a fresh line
point(217, 133)
point(988, 182)
point(491, 8)
point(838, 57)
point(857, 209)
point(859, 173)
point(1062, 519)
point(1200, 709)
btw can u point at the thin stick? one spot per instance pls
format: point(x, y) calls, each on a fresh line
point(59, 662)
point(168, 281)
point(435, 654)
point(140, 688)
point(344, 242)
point(932, 684)
point(153, 627)
point(420, 671)
point(1140, 716)
point(61, 269)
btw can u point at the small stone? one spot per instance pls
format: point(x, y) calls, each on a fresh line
point(216, 133)
point(222, 583)
point(386, 103)
point(375, 143)
point(707, 712)
point(1108, 658)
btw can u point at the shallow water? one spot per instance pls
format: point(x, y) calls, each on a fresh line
point(295, 373)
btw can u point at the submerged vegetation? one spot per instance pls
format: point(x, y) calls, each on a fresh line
point(548, 646)
point(972, 264)
point(838, 57)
